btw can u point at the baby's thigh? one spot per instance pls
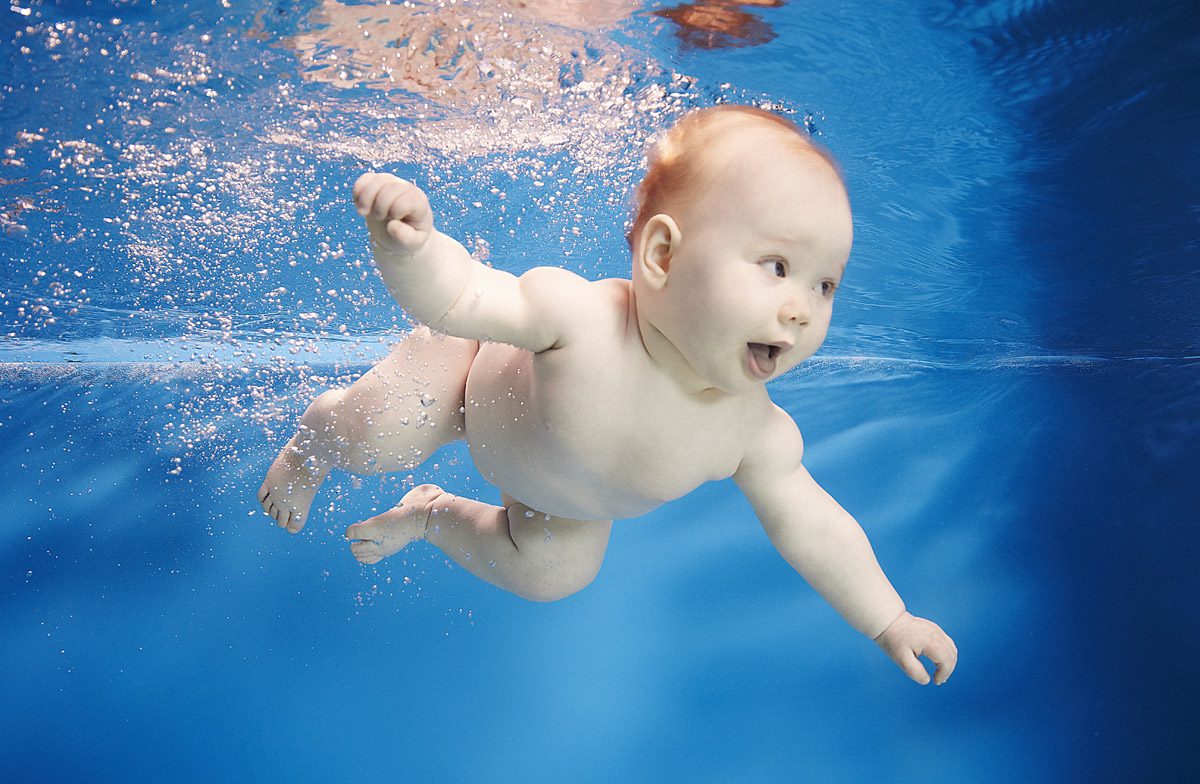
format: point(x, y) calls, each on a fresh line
point(420, 384)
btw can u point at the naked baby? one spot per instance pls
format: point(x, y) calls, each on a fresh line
point(586, 401)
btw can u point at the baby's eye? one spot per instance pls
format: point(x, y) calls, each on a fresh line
point(777, 267)
point(827, 288)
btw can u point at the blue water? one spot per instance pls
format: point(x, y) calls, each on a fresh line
point(1008, 399)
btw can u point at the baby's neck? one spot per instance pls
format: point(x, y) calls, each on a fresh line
point(663, 354)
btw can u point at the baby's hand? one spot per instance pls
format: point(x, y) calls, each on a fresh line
point(397, 212)
point(909, 638)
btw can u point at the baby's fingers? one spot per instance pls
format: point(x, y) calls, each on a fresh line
point(366, 188)
point(944, 654)
point(385, 196)
point(403, 233)
point(909, 638)
point(908, 661)
point(396, 200)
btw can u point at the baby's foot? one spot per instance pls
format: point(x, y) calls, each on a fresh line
point(387, 534)
point(292, 481)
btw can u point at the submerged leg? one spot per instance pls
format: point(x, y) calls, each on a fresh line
point(392, 418)
point(386, 534)
point(535, 556)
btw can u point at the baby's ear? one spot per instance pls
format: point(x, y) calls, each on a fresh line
point(657, 247)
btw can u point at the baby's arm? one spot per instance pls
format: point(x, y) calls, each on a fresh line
point(828, 547)
point(434, 278)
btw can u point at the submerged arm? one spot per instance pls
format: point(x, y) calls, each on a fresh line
point(828, 547)
point(438, 283)
point(815, 534)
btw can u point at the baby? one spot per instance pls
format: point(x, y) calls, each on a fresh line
point(588, 401)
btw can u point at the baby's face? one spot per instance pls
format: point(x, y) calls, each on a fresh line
point(750, 290)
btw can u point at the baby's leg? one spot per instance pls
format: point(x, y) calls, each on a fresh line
point(392, 418)
point(535, 556)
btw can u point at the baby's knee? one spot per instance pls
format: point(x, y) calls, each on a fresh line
point(325, 417)
point(343, 427)
point(560, 562)
point(559, 582)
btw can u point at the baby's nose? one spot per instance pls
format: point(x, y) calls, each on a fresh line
point(795, 310)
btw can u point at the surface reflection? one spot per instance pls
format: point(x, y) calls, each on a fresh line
point(465, 55)
point(722, 24)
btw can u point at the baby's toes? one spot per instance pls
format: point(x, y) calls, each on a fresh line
point(364, 530)
point(366, 552)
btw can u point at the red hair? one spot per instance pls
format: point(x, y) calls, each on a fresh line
point(679, 159)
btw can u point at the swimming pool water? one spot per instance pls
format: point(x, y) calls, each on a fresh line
point(1007, 400)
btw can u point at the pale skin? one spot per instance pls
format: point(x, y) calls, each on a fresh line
point(589, 401)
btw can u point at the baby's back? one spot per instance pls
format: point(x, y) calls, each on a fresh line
point(591, 429)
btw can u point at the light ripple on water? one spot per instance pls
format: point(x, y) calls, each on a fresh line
point(291, 352)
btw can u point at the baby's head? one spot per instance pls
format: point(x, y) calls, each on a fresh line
point(741, 236)
point(683, 163)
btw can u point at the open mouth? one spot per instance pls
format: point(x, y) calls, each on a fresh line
point(762, 358)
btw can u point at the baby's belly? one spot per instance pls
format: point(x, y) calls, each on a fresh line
point(527, 438)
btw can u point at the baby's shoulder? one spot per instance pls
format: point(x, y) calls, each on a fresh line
point(575, 293)
point(571, 289)
point(583, 309)
point(773, 439)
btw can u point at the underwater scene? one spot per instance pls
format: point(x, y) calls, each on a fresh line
point(1008, 399)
